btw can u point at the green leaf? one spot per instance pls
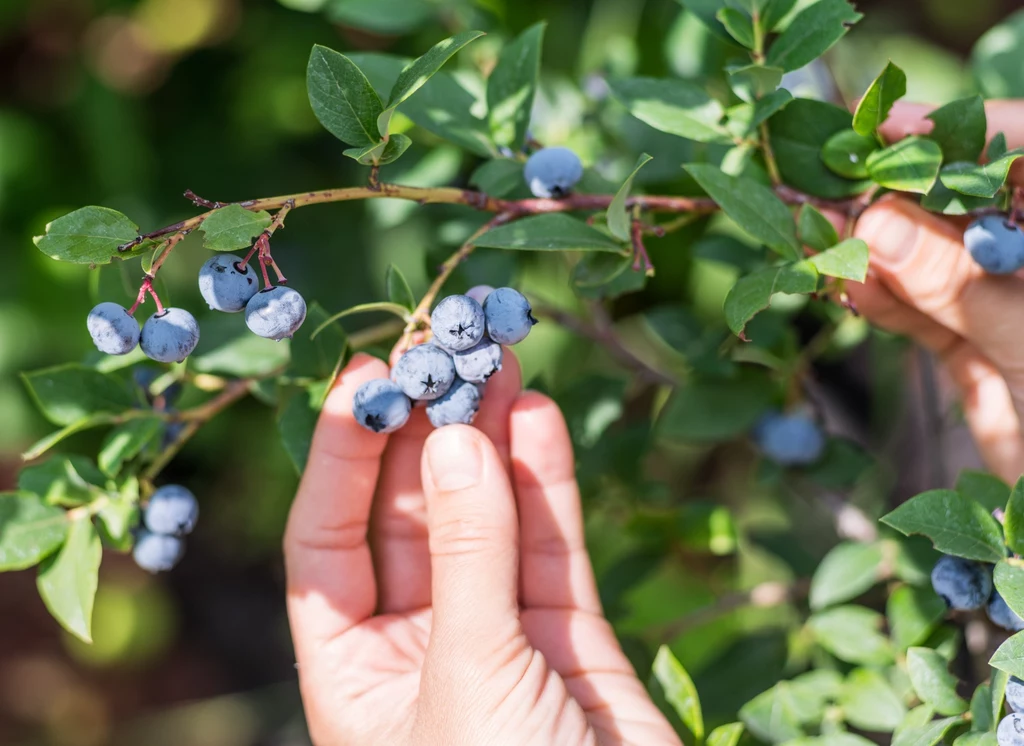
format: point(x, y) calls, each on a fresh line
point(67, 581)
point(674, 106)
point(997, 148)
point(498, 177)
point(296, 422)
point(771, 716)
point(127, 441)
point(812, 33)
point(342, 98)
point(998, 682)
point(870, 703)
point(846, 572)
point(725, 735)
point(29, 530)
point(119, 517)
point(1009, 581)
point(752, 82)
point(752, 206)
point(233, 227)
point(619, 222)
point(846, 153)
point(910, 165)
point(90, 235)
point(960, 129)
point(398, 289)
point(852, 634)
point(888, 88)
point(913, 614)
point(773, 11)
point(929, 734)
point(387, 17)
point(679, 690)
point(848, 260)
point(400, 311)
point(706, 11)
point(976, 739)
point(955, 524)
point(598, 275)
point(816, 231)
point(1013, 523)
point(753, 293)
point(69, 393)
point(548, 232)
point(62, 480)
point(982, 718)
point(420, 71)
point(934, 684)
point(511, 87)
point(239, 354)
point(987, 489)
point(977, 180)
point(318, 357)
point(943, 200)
point(832, 739)
point(44, 444)
point(744, 119)
point(738, 25)
point(716, 410)
point(380, 153)
point(1010, 656)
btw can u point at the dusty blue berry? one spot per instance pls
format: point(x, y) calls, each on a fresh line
point(1011, 730)
point(225, 286)
point(157, 552)
point(996, 244)
point(458, 406)
point(458, 323)
point(171, 510)
point(1002, 615)
point(1015, 693)
point(963, 584)
point(381, 406)
point(790, 440)
point(509, 316)
point(479, 293)
point(169, 337)
point(275, 313)
point(112, 329)
point(479, 363)
point(424, 372)
point(553, 172)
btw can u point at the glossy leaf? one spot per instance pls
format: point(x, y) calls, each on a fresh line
point(928, 734)
point(69, 393)
point(1008, 577)
point(934, 684)
point(751, 82)
point(1013, 522)
point(127, 441)
point(619, 221)
point(982, 487)
point(342, 98)
point(848, 260)
point(233, 227)
point(960, 129)
point(29, 530)
point(852, 634)
point(1009, 656)
point(548, 232)
point(910, 165)
point(815, 230)
point(812, 33)
point(977, 180)
point(846, 153)
point(955, 524)
point(67, 581)
point(888, 88)
point(675, 106)
point(725, 735)
point(90, 235)
point(753, 293)
point(870, 703)
point(679, 691)
point(846, 572)
point(511, 87)
point(738, 25)
point(913, 614)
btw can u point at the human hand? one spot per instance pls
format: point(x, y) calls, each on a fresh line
point(475, 618)
point(924, 284)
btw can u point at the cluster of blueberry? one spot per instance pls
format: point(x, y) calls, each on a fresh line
point(449, 372)
point(172, 512)
point(996, 243)
point(790, 439)
point(966, 585)
point(168, 336)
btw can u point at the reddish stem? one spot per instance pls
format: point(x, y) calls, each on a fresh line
point(146, 287)
point(641, 259)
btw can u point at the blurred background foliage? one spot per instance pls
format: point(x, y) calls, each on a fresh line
point(127, 103)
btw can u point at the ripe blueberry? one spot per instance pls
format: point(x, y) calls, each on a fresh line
point(996, 244)
point(275, 313)
point(424, 372)
point(458, 323)
point(479, 293)
point(172, 510)
point(157, 552)
point(1011, 730)
point(961, 583)
point(1015, 694)
point(169, 337)
point(113, 330)
point(509, 316)
point(553, 172)
point(479, 363)
point(381, 406)
point(458, 406)
point(1002, 615)
point(224, 286)
point(790, 440)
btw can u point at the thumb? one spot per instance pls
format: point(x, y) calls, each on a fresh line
point(474, 542)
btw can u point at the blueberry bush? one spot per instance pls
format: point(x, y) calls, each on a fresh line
point(697, 245)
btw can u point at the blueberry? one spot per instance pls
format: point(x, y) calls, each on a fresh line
point(458, 406)
point(226, 287)
point(996, 244)
point(157, 552)
point(509, 316)
point(172, 510)
point(381, 406)
point(424, 372)
point(479, 293)
point(553, 172)
point(479, 363)
point(961, 583)
point(1002, 615)
point(1011, 730)
point(458, 323)
point(790, 440)
point(1015, 694)
point(169, 337)
point(113, 330)
point(275, 313)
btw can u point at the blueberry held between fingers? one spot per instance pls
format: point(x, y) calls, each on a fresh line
point(171, 510)
point(1015, 693)
point(996, 244)
point(458, 406)
point(963, 584)
point(790, 440)
point(553, 172)
point(224, 286)
point(113, 330)
point(275, 313)
point(157, 552)
point(1011, 730)
point(381, 406)
point(169, 337)
point(1002, 615)
point(478, 363)
point(509, 316)
point(458, 323)
point(424, 372)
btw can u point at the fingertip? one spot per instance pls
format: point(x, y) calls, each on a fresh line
point(360, 369)
point(906, 120)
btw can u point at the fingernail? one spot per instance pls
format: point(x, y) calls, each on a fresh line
point(890, 233)
point(454, 458)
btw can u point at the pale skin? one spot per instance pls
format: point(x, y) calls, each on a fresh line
point(439, 588)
